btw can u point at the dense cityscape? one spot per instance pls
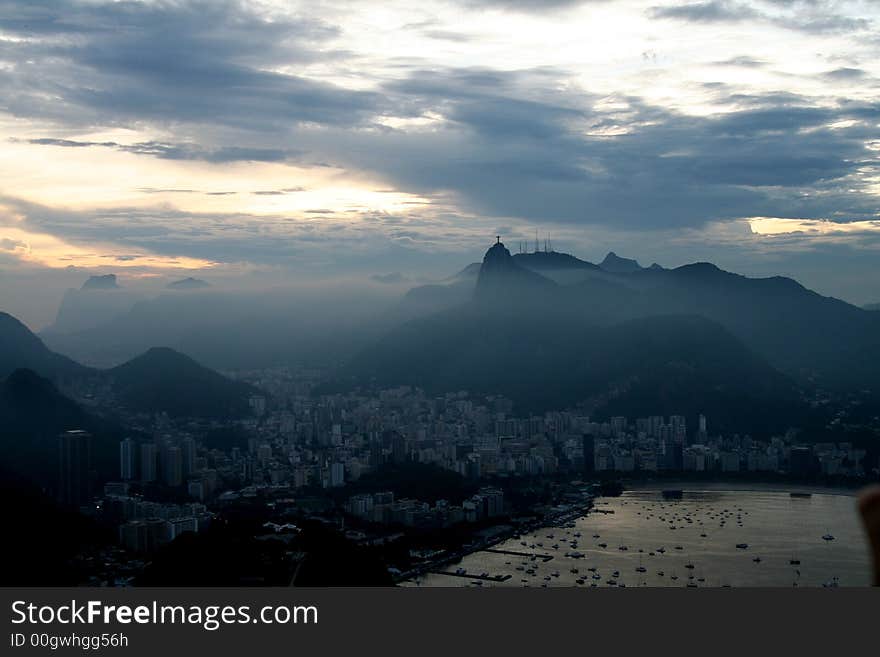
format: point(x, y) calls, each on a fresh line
point(313, 455)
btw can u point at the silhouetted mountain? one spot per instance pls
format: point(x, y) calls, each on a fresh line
point(501, 280)
point(164, 380)
point(159, 380)
point(816, 339)
point(20, 348)
point(105, 282)
point(549, 260)
point(188, 284)
point(802, 333)
point(99, 300)
point(549, 346)
point(617, 265)
point(427, 299)
point(32, 415)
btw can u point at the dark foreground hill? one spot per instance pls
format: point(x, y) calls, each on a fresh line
point(163, 379)
point(20, 348)
point(32, 415)
point(160, 380)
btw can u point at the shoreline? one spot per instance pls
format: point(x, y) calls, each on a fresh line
point(739, 486)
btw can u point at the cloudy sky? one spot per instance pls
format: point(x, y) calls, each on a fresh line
point(282, 140)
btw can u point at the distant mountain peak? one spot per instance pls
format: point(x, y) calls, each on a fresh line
point(105, 282)
point(615, 264)
point(188, 283)
point(501, 278)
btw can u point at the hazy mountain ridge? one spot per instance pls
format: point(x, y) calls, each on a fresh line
point(158, 380)
point(688, 338)
point(228, 329)
point(814, 338)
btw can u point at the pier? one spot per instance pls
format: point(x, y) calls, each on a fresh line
point(485, 578)
point(528, 555)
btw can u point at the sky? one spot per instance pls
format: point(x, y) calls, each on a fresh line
point(259, 142)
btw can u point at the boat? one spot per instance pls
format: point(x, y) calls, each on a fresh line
point(742, 546)
point(641, 569)
point(757, 559)
point(828, 537)
point(689, 566)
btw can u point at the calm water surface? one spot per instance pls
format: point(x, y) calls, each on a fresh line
point(701, 530)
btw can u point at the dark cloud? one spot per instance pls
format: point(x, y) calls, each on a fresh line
point(845, 73)
point(512, 145)
point(168, 151)
point(712, 11)
point(201, 62)
point(811, 16)
point(529, 144)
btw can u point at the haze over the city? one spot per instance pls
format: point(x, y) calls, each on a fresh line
point(262, 144)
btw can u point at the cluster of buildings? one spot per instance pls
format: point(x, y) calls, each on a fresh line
point(381, 508)
point(653, 444)
point(296, 440)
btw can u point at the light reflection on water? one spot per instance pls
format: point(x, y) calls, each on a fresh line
point(777, 527)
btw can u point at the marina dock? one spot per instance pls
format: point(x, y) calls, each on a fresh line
point(528, 555)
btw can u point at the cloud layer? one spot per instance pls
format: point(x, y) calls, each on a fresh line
point(583, 117)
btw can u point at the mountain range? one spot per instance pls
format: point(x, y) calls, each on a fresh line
point(815, 340)
point(546, 328)
point(549, 346)
point(159, 380)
